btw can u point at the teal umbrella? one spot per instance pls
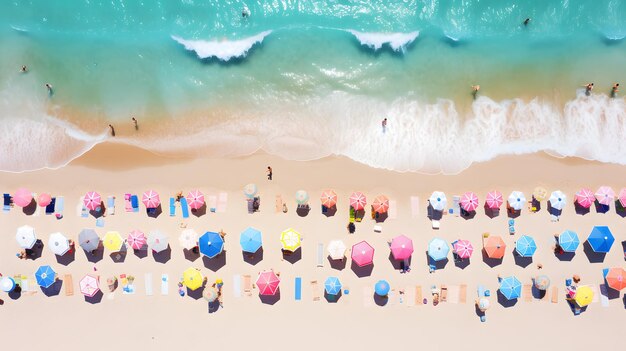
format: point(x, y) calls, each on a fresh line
point(525, 246)
point(511, 288)
point(438, 249)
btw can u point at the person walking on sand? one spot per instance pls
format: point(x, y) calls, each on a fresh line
point(269, 173)
point(384, 123)
point(112, 130)
point(135, 123)
point(475, 89)
point(614, 90)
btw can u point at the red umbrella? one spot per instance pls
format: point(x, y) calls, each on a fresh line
point(267, 283)
point(401, 247)
point(137, 239)
point(381, 204)
point(469, 201)
point(22, 197)
point(358, 200)
point(585, 197)
point(195, 198)
point(616, 278)
point(494, 199)
point(362, 254)
point(329, 198)
point(44, 200)
point(92, 200)
point(494, 247)
point(151, 199)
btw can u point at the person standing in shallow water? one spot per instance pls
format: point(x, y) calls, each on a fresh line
point(526, 21)
point(269, 173)
point(475, 89)
point(135, 123)
point(384, 123)
point(614, 90)
point(112, 130)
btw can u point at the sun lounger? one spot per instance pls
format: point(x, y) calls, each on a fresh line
point(444, 293)
point(378, 229)
point(320, 255)
point(25, 283)
point(247, 285)
point(134, 202)
point(50, 207)
point(165, 286)
point(127, 204)
point(172, 207)
point(298, 291)
point(418, 295)
point(237, 285)
point(69, 284)
point(110, 205)
point(481, 291)
point(184, 208)
point(435, 224)
point(59, 206)
point(148, 284)
point(527, 293)
point(555, 294)
point(212, 203)
point(222, 202)
point(315, 294)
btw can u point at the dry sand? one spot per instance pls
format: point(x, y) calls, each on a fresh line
point(160, 322)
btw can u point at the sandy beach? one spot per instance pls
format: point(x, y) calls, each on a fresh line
point(163, 322)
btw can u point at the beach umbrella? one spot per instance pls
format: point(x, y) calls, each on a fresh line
point(494, 247)
point(22, 197)
point(210, 294)
point(401, 247)
point(358, 200)
point(151, 199)
point(622, 197)
point(438, 201)
point(584, 296)
point(511, 288)
point(290, 239)
point(585, 197)
point(89, 285)
point(540, 193)
point(494, 199)
point(25, 237)
point(517, 200)
point(463, 248)
point(195, 199)
point(211, 244)
point(337, 250)
point(616, 278)
point(44, 199)
point(250, 240)
point(332, 285)
point(302, 197)
point(483, 304)
point(46, 276)
point(329, 198)
point(605, 195)
point(137, 239)
point(192, 278)
point(557, 200)
point(381, 288)
point(469, 201)
point(7, 284)
point(438, 249)
point(381, 204)
point(113, 241)
point(568, 241)
point(525, 246)
point(157, 241)
point(542, 282)
point(362, 254)
point(601, 239)
point(250, 190)
point(92, 201)
point(58, 243)
point(267, 282)
point(88, 239)
point(188, 239)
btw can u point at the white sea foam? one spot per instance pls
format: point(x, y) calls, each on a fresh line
point(222, 49)
point(396, 41)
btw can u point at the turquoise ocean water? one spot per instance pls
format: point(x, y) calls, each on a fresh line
point(308, 79)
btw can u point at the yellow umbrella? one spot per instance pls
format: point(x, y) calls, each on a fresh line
point(192, 278)
point(583, 296)
point(113, 241)
point(540, 193)
point(290, 240)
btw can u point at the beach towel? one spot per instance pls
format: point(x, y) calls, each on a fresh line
point(596, 293)
point(184, 208)
point(415, 206)
point(368, 299)
point(237, 285)
point(110, 205)
point(279, 204)
point(134, 202)
point(320, 254)
point(127, 204)
point(463, 293)
point(83, 211)
point(247, 285)
point(453, 293)
point(444, 293)
point(315, 293)
point(298, 291)
point(100, 222)
point(212, 203)
point(410, 296)
point(148, 283)
point(481, 291)
point(527, 293)
point(393, 209)
point(165, 288)
point(555, 294)
point(456, 208)
point(59, 206)
point(222, 202)
point(69, 285)
point(172, 207)
point(25, 284)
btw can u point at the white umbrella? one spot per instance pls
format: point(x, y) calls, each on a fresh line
point(438, 200)
point(25, 237)
point(157, 241)
point(58, 243)
point(517, 200)
point(558, 200)
point(188, 239)
point(89, 240)
point(250, 190)
point(337, 250)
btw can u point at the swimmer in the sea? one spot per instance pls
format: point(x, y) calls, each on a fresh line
point(135, 123)
point(614, 90)
point(49, 87)
point(245, 12)
point(24, 69)
point(526, 21)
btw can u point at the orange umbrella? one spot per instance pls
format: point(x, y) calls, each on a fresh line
point(329, 198)
point(381, 204)
point(494, 247)
point(616, 278)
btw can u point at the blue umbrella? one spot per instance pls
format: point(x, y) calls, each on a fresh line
point(525, 246)
point(511, 288)
point(332, 286)
point(381, 288)
point(211, 244)
point(568, 240)
point(250, 240)
point(7, 284)
point(438, 249)
point(601, 239)
point(45, 276)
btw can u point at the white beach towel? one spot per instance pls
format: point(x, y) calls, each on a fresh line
point(415, 206)
point(393, 209)
point(596, 293)
point(80, 206)
point(237, 285)
point(368, 296)
point(165, 289)
point(453, 293)
point(392, 298)
point(212, 203)
point(320, 255)
point(604, 296)
point(59, 206)
point(148, 282)
point(222, 202)
point(25, 285)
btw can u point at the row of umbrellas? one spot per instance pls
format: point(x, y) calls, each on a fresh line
point(150, 198)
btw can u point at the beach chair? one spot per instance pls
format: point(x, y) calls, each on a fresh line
point(184, 208)
point(172, 207)
point(444, 293)
point(247, 285)
point(378, 229)
point(320, 254)
point(69, 285)
point(315, 294)
point(298, 292)
point(165, 286)
point(127, 204)
point(50, 207)
point(222, 202)
point(110, 205)
point(463, 293)
point(148, 284)
point(134, 202)
point(59, 206)
point(555, 294)
point(435, 224)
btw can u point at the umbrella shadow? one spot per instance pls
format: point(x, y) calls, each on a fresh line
point(163, 256)
point(512, 213)
point(30, 209)
point(96, 255)
point(154, 212)
point(36, 251)
point(600, 208)
point(553, 211)
point(521, 260)
point(479, 313)
point(537, 293)
point(462, 263)
point(120, 256)
point(195, 294)
point(97, 298)
point(466, 215)
point(99, 211)
point(433, 214)
point(214, 306)
point(215, 263)
point(609, 292)
point(270, 299)
point(592, 256)
point(303, 210)
point(16, 293)
point(67, 258)
point(491, 262)
point(54, 289)
point(624, 300)
point(396, 264)
point(292, 257)
point(141, 253)
point(380, 217)
point(253, 258)
point(491, 212)
point(380, 300)
point(619, 209)
point(506, 303)
point(537, 204)
point(332, 298)
point(361, 272)
point(337, 264)
point(359, 215)
point(565, 256)
point(441, 264)
point(580, 210)
point(190, 255)
point(329, 211)
point(200, 211)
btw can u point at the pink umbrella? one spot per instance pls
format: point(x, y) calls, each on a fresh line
point(494, 200)
point(151, 199)
point(469, 201)
point(22, 197)
point(267, 283)
point(585, 197)
point(381, 204)
point(605, 195)
point(358, 200)
point(44, 200)
point(362, 254)
point(622, 197)
point(329, 198)
point(195, 198)
point(463, 248)
point(92, 200)
point(401, 247)
point(137, 239)
point(89, 286)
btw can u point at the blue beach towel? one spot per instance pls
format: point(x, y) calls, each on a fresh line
point(184, 207)
point(134, 202)
point(172, 207)
point(298, 288)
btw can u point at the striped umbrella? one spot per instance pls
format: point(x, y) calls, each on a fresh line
point(337, 250)
point(92, 200)
point(585, 197)
point(494, 247)
point(188, 239)
point(195, 199)
point(558, 200)
point(469, 201)
point(58, 243)
point(290, 240)
point(267, 282)
point(438, 201)
point(332, 286)
point(511, 288)
point(463, 248)
point(89, 285)
point(22, 197)
point(46, 276)
point(358, 201)
point(44, 199)
point(381, 204)
point(401, 247)
point(329, 198)
point(622, 197)
point(568, 241)
point(616, 278)
point(250, 190)
point(494, 199)
point(605, 195)
point(137, 239)
point(525, 246)
point(362, 254)
point(151, 199)
point(302, 197)
point(517, 200)
point(26, 237)
point(438, 249)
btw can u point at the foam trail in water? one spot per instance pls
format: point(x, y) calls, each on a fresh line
point(222, 49)
point(397, 41)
